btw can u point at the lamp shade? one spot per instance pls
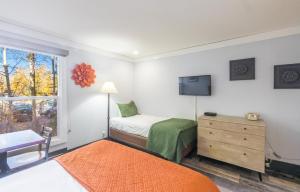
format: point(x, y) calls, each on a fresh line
point(109, 87)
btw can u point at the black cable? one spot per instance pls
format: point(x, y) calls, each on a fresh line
point(279, 156)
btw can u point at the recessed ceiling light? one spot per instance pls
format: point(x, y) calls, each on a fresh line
point(136, 52)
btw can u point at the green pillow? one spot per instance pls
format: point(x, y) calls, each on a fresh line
point(128, 110)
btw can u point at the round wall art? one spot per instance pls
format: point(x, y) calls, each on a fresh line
point(83, 75)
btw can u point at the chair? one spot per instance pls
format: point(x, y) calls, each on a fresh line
point(28, 159)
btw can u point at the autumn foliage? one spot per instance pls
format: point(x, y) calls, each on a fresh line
point(30, 78)
point(2, 88)
point(20, 82)
point(27, 74)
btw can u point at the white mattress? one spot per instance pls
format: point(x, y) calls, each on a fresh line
point(46, 177)
point(137, 124)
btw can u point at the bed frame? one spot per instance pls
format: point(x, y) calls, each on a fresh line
point(132, 139)
point(139, 141)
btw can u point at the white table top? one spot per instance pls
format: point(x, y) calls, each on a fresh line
point(45, 177)
point(19, 139)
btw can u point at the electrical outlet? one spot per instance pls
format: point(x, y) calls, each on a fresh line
point(268, 163)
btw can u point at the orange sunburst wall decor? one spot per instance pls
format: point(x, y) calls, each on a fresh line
point(83, 75)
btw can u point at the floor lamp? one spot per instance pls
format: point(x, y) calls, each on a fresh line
point(109, 88)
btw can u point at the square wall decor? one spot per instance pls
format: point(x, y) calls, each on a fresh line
point(287, 76)
point(242, 69)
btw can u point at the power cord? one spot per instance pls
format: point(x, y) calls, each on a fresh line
point(279, 156)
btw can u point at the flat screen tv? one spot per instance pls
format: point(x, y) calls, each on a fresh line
point(195, 85)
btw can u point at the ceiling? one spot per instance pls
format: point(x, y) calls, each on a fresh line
point(140, 28)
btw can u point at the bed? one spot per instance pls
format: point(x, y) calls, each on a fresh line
point(108, 166)
point(148, 132)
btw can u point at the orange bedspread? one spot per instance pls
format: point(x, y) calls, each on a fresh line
point(112, 167)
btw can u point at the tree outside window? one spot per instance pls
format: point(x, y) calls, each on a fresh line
point(28, 90)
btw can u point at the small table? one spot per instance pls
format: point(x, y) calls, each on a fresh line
point(16, 140)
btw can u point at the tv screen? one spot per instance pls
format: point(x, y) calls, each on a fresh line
point(195, 85)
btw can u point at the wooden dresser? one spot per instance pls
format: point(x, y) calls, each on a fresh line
point(234, 140)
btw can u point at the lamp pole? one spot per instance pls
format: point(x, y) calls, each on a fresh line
point(108, 113)
point(108, 87)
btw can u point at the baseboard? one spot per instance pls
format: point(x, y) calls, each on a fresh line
point(58, 152)
point(287, 169)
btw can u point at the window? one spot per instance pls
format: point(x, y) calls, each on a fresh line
point(28, 91)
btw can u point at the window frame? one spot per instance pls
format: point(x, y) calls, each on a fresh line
point(60, 140)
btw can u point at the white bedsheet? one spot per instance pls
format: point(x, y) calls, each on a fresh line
point(137, 124)
point(46, 177)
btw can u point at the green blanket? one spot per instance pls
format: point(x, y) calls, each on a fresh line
point(169, 137)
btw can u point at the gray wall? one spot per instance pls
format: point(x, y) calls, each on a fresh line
point(156, 89)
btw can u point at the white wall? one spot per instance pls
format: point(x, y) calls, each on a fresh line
point(84, 109)
point(87, 107)
point(156, 89)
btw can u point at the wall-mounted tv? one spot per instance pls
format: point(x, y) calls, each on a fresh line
point(195, 85)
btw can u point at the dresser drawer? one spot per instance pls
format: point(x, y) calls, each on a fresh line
point(240, 139)
point(234, 127)
point(253, 142)
point(253, 130)
point(248, 158)
point(220, 125)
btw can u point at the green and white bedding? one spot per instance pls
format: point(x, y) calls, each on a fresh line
point(169, 137)
point(166, 136)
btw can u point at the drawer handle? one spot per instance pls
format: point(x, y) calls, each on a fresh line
point(210, 123)
point(210, 146)
point(245, 139)
point(245, 128)
point(210, 133)
point(245, 154)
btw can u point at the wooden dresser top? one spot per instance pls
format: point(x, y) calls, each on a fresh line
point(233, 119)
